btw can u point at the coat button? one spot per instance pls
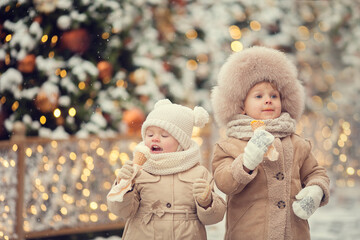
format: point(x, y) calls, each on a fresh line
point(281, 204)
point(168, 205)
point(279, 176)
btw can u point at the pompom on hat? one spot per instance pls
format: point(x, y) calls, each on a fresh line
point(246, 68)
point(177, 120)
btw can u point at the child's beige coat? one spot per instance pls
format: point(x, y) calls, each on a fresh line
point(259, 202)
point(163, 207)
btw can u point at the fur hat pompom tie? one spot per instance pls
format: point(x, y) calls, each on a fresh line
point(201, 117)
point(176, 119)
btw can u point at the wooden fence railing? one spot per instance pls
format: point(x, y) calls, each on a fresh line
point(58, 187)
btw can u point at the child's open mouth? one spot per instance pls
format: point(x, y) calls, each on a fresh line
point(156, 148)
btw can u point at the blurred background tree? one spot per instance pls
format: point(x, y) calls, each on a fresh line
point(70, 67)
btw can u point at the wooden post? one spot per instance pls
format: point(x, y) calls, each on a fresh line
point(18, 138)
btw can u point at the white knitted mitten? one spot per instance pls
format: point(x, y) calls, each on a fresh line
point(202, 192)
point(309, 199)
point(126, 171)
point(256, 148)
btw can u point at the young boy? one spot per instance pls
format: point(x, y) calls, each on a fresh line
point(172, 196)
point(270, 195)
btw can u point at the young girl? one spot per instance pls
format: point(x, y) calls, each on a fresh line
point(172, 196)
point(270, 195)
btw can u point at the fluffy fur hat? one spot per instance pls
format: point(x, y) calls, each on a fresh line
point(243, 70)
point(177, 120)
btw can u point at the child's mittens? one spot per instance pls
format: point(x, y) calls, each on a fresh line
point(202, 192)
point(256, 148)
point(126, 171)
point(308, 200)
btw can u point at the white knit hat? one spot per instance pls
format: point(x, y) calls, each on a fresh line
point(177, 120)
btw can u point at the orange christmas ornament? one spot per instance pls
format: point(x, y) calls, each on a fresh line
point(27, 64)
point(77, 40)
point(46, 103)
point(133, 119)
point(105, 71)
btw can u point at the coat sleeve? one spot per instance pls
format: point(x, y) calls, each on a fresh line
point(311, 173)
point(215, 213)
point(229, 174)
point(128, 207)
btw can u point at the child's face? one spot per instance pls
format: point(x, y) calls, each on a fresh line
point(159, 140)
point(263, 102)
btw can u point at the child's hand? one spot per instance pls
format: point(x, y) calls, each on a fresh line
point(309, 199)
point(256, 148)
point(126, 171)
point(202, 192)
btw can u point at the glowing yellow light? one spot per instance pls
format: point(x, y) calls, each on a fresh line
point(78, 186)
point(3, 100)
point(63, 211)
point(124, 157)
point(57, 72)
point(44, 38)
point(39, 148)
point(81, 85)
point(236, 46)
point(43, 207)
point(191, 34)
point(57, 113)
point(112, 217)
point(51, 54)
point(45, 196)
point(93, 205)
point(343, 137)
point(15, 106)
point(105, 35)
point(33, 210)
point(28, 152)
point(235, 32)
point(15, 147)
point(54, 39)
point(350, 171)
point(300, 46)
point(304, 32)
point(42, 120)
point(191, 64)
point(103, 207)
point(86, 172)
point(342, 157)
point(72, 156)
point(255, 25)
point(100, 151)
point(54, 144)
point(72, 112)
point(346, 125)
point(94, 217)
point(86, 192)
point(107, 185)
point(63, 73)
point(8, 38)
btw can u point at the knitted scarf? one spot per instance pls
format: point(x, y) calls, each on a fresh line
point(173, 162)
point(279, 127)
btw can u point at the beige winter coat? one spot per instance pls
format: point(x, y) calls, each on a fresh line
point(163, 207)
point(260, 204)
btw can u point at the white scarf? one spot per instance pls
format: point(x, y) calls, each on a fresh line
point(280, 127)
point(173, 162)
